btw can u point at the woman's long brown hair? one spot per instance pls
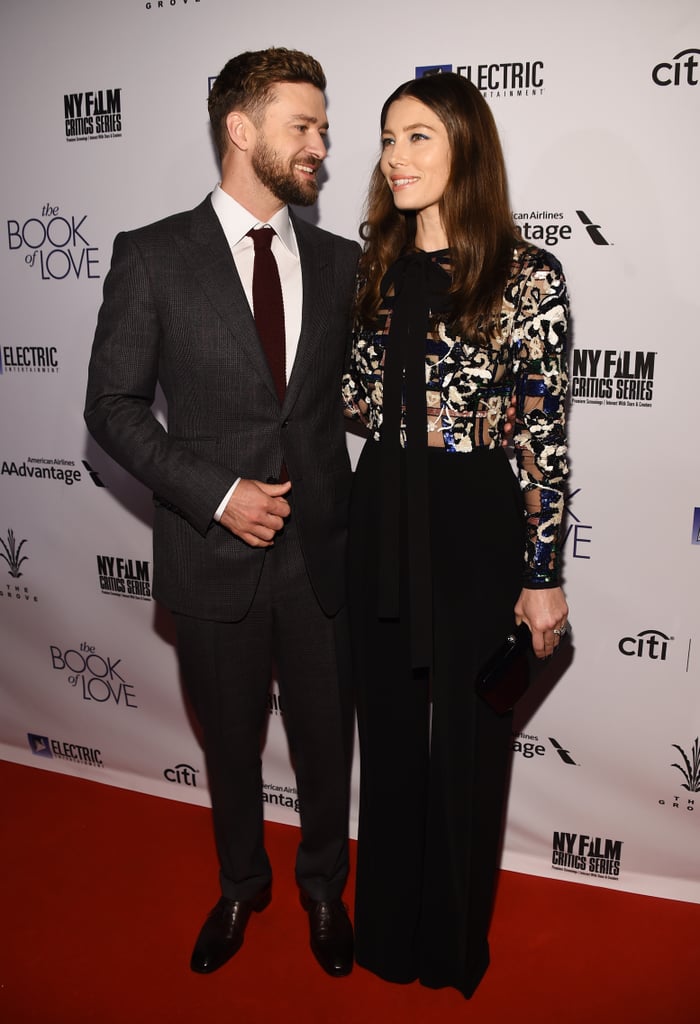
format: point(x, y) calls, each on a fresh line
point(475, 210)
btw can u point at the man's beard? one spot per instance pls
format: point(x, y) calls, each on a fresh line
point(279, 179)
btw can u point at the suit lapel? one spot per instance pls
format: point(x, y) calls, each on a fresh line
point(316, 273)
point(208, 254)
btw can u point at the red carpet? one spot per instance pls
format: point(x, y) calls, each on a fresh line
point(104, 891)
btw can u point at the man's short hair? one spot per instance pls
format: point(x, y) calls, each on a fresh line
point(245, 84)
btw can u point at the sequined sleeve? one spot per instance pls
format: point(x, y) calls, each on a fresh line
point(539, 339)
point(355, 399)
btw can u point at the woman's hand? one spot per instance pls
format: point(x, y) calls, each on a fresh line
point(545, 613)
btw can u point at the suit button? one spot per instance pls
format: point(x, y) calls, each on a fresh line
point(285, 424)
point(272, 480)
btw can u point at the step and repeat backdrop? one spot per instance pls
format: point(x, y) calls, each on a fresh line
point(104, 127)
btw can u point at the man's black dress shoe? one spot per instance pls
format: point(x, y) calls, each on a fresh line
point(222, 933)
point(331, 935)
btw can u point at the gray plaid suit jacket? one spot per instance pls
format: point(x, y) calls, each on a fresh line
point(174, 312)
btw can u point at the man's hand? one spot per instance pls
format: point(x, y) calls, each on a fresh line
point(256, 512)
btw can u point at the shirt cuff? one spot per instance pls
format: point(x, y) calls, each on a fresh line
point(220, 510)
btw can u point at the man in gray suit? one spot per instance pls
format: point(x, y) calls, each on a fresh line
point(250, 479)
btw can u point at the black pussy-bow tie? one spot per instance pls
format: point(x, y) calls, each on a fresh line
point(420, 286)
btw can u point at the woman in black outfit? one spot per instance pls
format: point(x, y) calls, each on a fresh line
point(448, 548)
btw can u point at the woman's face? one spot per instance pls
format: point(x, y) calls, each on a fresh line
point(415, 157)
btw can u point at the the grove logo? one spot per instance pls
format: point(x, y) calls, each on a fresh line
point(690, 769)
point(649, 643)
point(678, 71)
point(11, 553)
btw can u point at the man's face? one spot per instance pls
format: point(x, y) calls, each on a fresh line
point(290, 142)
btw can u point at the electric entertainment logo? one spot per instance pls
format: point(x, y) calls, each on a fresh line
point(281, 796)
point(650, 644)
point(586, 855)
point(530, 746)
point(510, 80)
point(56, 245)
point(696, 527)
point(612, 377)
point(95, 678)
point(678, 71)
point(93, 115)
point(182, 774)
point(124, 577)
point(689, 768)
point(28, 359)
point(577, 535)
point(43, 746)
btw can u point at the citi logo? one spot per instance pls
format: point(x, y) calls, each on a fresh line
point(182, 774)
point(677, 71)
point(650, 643)
point(593, 230)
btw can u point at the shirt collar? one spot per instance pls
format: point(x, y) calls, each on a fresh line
point(237, 221)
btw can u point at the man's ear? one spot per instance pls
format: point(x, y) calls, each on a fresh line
point(241, 129)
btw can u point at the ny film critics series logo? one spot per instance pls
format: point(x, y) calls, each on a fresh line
point(95, 677)
point(13, 554)
point(687, 780)
point(55, 244)
point(93, 115)
point(586, 855)
point(124, 577)
point(621, 377)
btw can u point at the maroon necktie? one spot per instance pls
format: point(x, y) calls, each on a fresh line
point(268, 307)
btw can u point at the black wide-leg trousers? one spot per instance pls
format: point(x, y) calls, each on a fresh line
point(434, 758)
point(226, 669)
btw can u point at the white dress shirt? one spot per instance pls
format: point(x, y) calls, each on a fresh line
point(236, 222)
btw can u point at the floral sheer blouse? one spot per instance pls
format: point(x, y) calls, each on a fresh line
point(469, 388)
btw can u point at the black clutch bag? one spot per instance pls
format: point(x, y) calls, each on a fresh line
point(503, 679)
point(505, 676)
